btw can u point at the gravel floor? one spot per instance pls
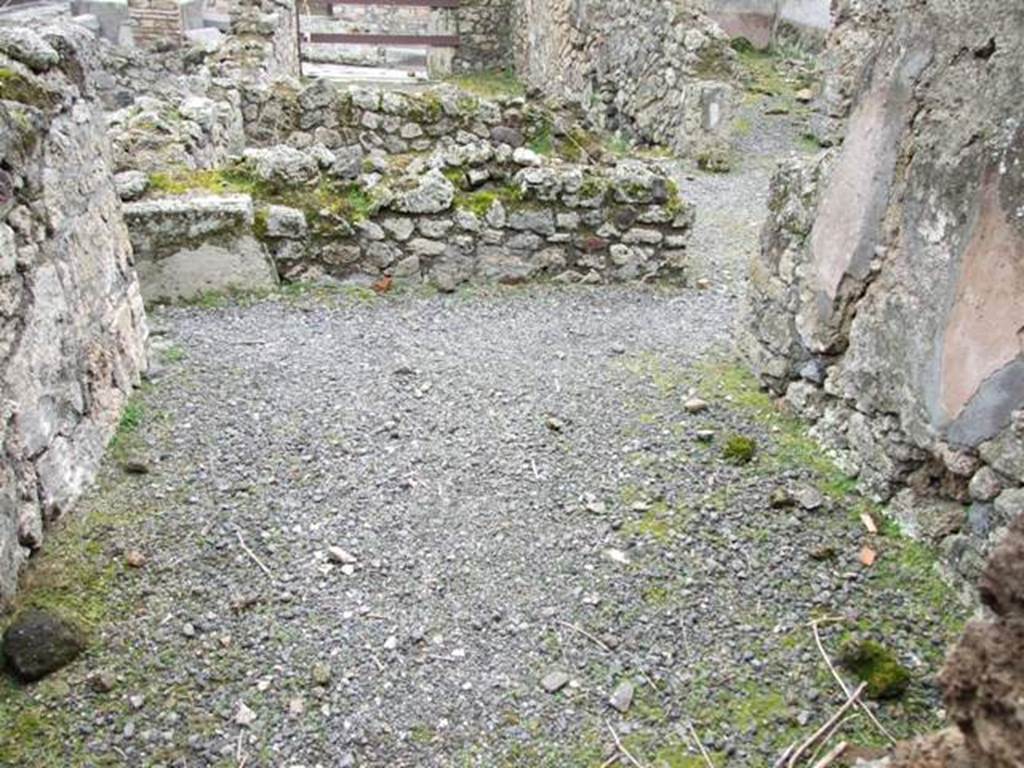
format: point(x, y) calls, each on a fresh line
point(522, 494)
point(523, 504)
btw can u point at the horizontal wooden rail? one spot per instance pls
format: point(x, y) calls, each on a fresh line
point(432, 41)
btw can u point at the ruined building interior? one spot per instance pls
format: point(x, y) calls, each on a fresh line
point(541, 383)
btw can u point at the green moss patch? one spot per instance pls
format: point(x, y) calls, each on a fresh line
point(14, 86)
point(739, 449)
point(480, 202)
point(493, 84)
point(330, 206)
point(877, 666)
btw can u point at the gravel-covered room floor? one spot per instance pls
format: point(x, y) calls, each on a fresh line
point(490, 528)
point(534, 526)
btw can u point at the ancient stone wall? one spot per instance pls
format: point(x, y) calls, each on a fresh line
point(656, 71)
point(438, 187)
point(266, 35)
point(72, 328)
point(888, 298)
point(484, 30)
point(156, 23)
point(428, 225)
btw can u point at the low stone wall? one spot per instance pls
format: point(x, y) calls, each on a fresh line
point(192, 246)
point(431, 225)
point(72, 328)
point(888, 299)
point(657, 71)
point(265, 37)
point(324, 112)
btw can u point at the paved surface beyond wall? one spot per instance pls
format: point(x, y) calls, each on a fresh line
point(757, 19)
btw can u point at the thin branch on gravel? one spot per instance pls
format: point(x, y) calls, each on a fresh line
point(611, 760)
point(434, 657)
point(846, 691)
point(650, 682)
point(784, 756)
point(816, 736)
point(823, 743)
point(700, 745)
point(622, 748)
point(252, 554)
point(586, 634)
point(832, 756)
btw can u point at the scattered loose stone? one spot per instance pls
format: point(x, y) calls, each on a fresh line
point(622, 697)
point(38, 643)
point(341, 556)
point(555, 424)
point(321, 673)
point(554, 681)
point(695, 405)
point(134, 559)
point(135, 467)
point(102, 682)
point(809, 498)
point(244, 716)
point(618, 556)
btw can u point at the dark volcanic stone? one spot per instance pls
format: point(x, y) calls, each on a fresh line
point(38, 643)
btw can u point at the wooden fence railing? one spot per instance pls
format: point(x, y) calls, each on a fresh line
point(443, 45)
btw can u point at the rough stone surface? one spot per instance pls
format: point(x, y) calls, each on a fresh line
point(654, 70)
point(891, 269)
point(37, 643)
point(187, 247)
point(72, 328)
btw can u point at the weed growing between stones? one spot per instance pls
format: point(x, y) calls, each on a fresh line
point(494, 84)
point(327, 205)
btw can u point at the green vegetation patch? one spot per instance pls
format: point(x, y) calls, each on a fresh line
point(876, 665)
point(739, 449)
point(494, 84)
point(480, 202)
point(15, 86)
point(329, 205)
